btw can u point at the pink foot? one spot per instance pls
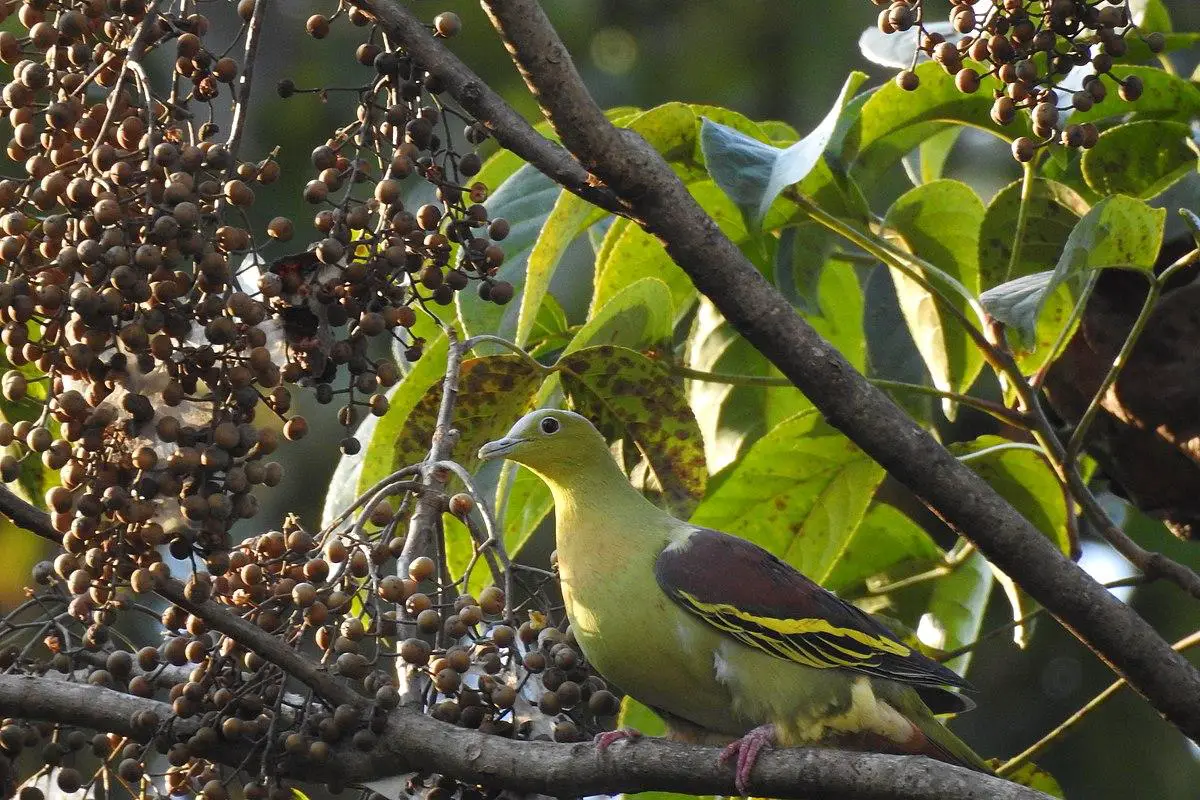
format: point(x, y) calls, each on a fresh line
point(609, 738)
point(746, 750)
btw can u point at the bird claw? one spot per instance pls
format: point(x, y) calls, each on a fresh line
point(746, 750)
point(607, 739)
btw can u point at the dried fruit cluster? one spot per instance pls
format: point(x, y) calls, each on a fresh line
point(1030, 46)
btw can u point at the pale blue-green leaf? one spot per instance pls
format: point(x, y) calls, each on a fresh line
point(799, 261)
point(1016, 303)
point(1118, 231)
point(895, 50)
point(754, 174)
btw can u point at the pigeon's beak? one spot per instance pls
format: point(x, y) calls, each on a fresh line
point(499, 448)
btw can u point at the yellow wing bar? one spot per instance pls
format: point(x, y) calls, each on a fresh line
point(812, 642)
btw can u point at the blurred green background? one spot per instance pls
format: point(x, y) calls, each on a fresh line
point(781, 59)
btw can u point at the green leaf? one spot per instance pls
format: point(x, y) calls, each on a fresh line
point(551, 329)
point(640, 717)
point(378, 453)
point(629, 396)
point(1151, 15)
point(1028, 483)
point(629, 253)
point(1139, 158)
point(885, 539)
point(934, 152)
point(1053, 209)
point(941, 223)
point(1118, 231)
point(1025, 480)
point(753, 173)
point(1033, 776)
point(1164, 96)
point(893, 122)
point(493, 391)
point(529, 503)
point(800, 492)
point(566, 221)
point(503, 163)
point(730, 416)
point(639, 315)
point(955, 612)
point(891, 353)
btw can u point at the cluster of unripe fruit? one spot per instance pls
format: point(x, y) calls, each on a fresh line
point(1030, 47)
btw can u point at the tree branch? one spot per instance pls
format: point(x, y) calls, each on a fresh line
point(544, 767)
point(27, 516)
point(664, 207)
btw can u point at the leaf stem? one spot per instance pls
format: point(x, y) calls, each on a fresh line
point(1135, 580)
point(987, 451)
point(1014, 258)
point(1008, 767)
point(911, 265)
point(1006, 415)
point(506, 344)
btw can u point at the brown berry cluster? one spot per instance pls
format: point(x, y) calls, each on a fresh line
point(391, 258)
point(1030, 46)
point(136, 360)
point(142, 345)
point(528, 682)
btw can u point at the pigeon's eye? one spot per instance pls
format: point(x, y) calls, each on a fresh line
point(550, 425)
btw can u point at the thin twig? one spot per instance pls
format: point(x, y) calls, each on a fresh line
point(242, 104)
point(1008, 767)
point(426, 517)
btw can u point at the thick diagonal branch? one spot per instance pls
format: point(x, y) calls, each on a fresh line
point(415, 741)
point(663, 206)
